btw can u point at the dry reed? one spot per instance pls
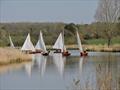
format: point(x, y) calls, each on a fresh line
point(9, 55)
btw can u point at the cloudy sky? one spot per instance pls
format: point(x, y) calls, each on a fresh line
point(76, 11)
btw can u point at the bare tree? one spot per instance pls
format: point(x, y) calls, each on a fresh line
point(107, 13)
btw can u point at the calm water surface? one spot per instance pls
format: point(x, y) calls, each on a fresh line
point(57, 72)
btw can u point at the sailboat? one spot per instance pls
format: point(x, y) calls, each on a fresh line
point(11, 42)
point(82, 53)
point(41, 45)
point(65, 52)
point(58, 46)
point(28, 46)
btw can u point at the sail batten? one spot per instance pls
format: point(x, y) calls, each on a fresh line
point(28, 46)
point(79, 42)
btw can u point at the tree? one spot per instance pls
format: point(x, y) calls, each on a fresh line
point(71, 27)
point(107, 14)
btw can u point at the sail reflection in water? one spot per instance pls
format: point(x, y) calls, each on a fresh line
point(59, 63)
point(28, 68)
point(41, 63)
point(81, 65)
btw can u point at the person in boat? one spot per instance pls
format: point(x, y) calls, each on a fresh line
point(57, 51)
point(84, 53)
point(45, 53)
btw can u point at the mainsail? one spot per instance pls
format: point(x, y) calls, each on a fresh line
point(59, 43)
point(28, 44)
point(11, 43)
point(79, 42)
point(39, 44)
point(42, 43)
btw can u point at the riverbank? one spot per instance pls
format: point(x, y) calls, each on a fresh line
point(10, 56)
point(98, 48)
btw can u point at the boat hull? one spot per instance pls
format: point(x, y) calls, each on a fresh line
point(45, 54)
point(83, 54)
point(66, 53)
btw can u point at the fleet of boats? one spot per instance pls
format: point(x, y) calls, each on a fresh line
point(40, 47)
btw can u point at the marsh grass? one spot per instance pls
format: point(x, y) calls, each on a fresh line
point(9, 56)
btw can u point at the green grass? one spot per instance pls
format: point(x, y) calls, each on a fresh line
point(115, 40)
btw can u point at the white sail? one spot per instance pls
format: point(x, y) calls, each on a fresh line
point(42, 43)
point(11, 43)
point(79, 42)
point(28, 44)
point(59, 43)
point(39, 45)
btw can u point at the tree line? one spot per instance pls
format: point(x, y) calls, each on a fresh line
point(19, 31)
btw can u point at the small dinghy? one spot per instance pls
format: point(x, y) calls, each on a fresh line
point(82, 53)
point(59, 45)
point(41, 46)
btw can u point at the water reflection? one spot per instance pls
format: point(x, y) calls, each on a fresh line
point(41, 63)
point(55, 66)
point(28, 68)
point(59, 62)
point(81, 65)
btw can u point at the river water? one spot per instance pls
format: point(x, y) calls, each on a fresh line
point(55, 72)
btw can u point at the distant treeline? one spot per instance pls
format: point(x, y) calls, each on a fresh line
point(19, 31)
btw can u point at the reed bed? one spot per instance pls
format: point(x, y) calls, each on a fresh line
point(10, 55)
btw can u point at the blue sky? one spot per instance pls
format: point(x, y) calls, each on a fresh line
point(76, 11)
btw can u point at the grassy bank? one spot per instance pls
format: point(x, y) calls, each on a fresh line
point(10, 56)
point(115, 40)
point(99, 48)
